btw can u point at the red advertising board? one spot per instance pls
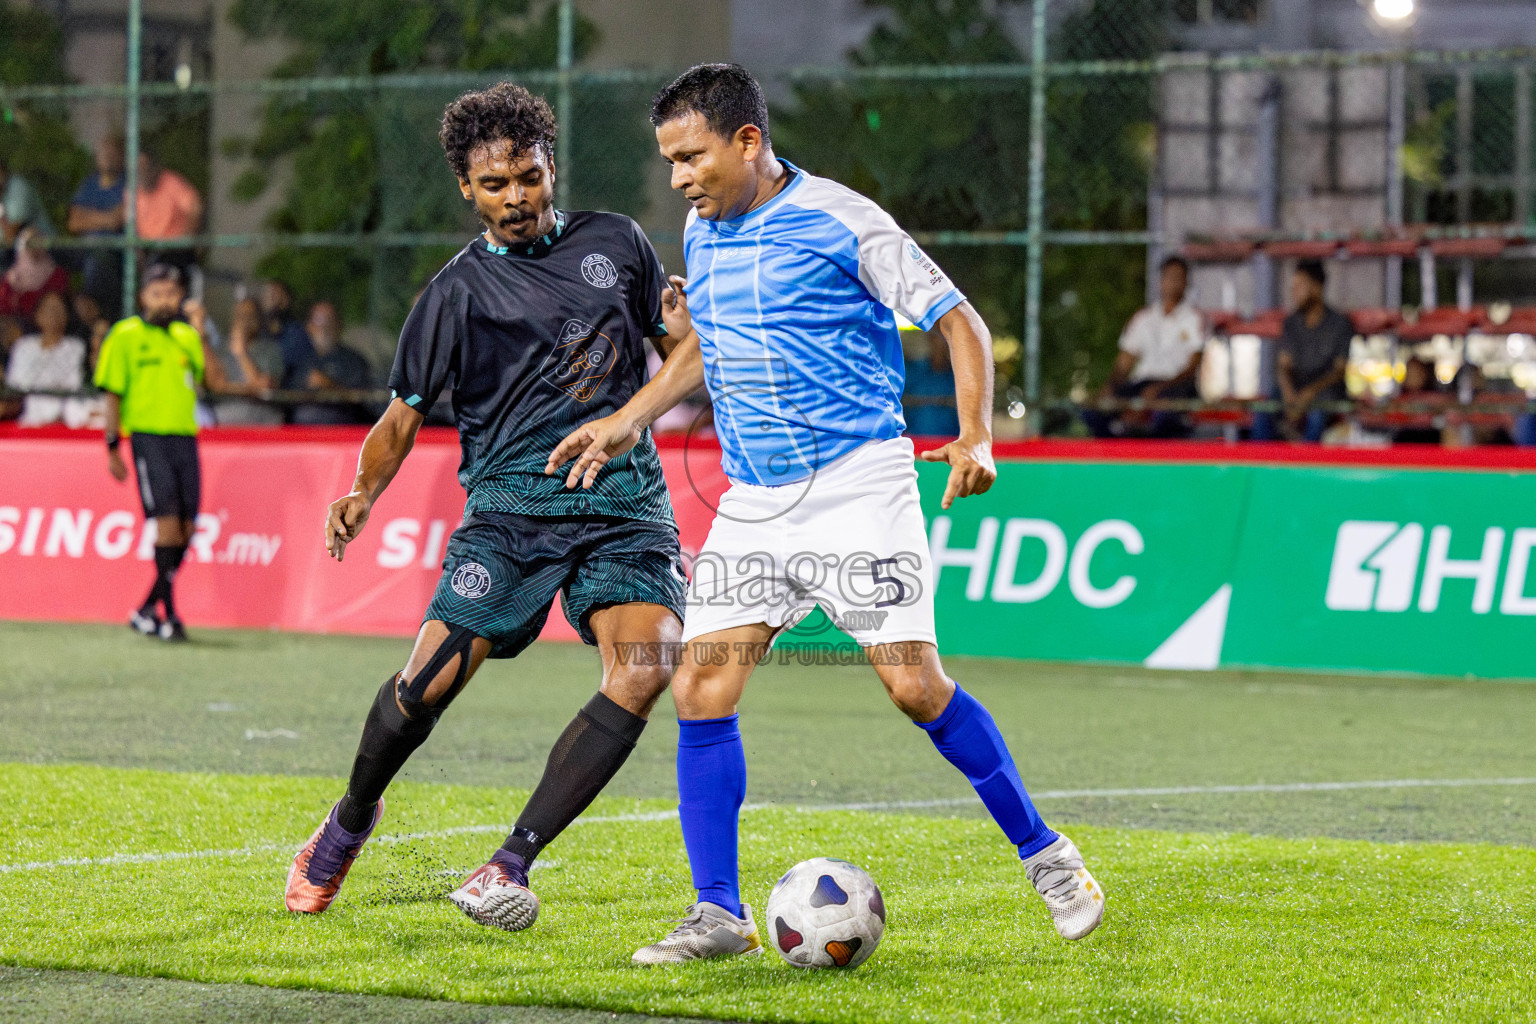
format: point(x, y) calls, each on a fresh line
point(74, 547)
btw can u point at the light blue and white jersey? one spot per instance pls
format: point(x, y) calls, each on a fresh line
point(793, 304)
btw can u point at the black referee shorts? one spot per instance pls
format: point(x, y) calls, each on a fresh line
point(170, 482)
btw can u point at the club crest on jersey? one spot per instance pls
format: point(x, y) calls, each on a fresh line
point(599, 271)
point(471, 580)
point(582, 357)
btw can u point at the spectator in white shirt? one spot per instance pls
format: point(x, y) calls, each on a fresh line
point(1160, 352)
point(49, 360)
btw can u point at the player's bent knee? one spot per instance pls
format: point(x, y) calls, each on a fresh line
point(702, 693)
point(387, 722)
point(920, 696)
point(913, 702)
point(694, 680)
point(419, 696)
point(643, 683)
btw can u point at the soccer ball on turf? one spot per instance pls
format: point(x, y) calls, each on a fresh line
point(826, 913)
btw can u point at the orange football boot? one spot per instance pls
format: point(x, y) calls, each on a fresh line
point(307, 894)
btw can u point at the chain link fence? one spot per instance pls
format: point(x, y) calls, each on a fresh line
point(1047, 154)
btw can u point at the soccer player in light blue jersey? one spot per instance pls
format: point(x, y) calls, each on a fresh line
point(793, 285)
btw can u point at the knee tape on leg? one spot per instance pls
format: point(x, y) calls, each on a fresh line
point(385, 722)
point(412, 695)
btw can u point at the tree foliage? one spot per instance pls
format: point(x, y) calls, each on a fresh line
point(369, 160)
point(35, 138)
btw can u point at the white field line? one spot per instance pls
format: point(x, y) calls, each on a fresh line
point(260, 848)
point(881, 805)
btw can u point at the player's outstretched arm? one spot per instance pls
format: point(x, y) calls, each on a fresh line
point(594, 443)
point(971, 469)
point(384, 450)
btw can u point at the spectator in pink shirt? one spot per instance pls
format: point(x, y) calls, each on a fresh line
point(169, 206)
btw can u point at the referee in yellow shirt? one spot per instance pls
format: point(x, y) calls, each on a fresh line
point(150, 367)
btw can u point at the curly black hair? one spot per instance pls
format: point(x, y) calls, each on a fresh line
point(505, 112)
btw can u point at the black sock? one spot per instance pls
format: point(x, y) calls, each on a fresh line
point(167, 561)
point(589, 753)
point(389, 739)
point(156, 592)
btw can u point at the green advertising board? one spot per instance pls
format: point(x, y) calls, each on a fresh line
point(1200, 566)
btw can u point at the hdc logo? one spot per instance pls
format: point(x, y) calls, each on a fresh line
point(1376, 565)
point(1074, 561)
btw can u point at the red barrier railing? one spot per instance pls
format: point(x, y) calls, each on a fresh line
point(1043, 449)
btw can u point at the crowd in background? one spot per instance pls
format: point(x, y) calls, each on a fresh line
point(57, 305)
point(1162, 348)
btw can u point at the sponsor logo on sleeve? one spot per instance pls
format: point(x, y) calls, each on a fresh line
point(916, 255)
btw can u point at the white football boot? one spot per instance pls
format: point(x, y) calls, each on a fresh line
point(492, 897)
point(705, 932)
point(1075, 898)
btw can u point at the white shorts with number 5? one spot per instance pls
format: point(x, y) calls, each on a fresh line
point(849, 538)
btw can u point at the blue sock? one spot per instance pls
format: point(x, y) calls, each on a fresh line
point(711, 784)
point(968, 738)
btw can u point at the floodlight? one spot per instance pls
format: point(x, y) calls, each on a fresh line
point(1393, 10)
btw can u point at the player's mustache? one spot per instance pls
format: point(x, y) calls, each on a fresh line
point(516, 217)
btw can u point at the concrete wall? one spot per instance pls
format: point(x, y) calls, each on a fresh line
point(96, 49)
point(1332, 169)
point(1349, 25)
point(766, 36)
point(666, 35)
point(672, 34)
point(235, 114)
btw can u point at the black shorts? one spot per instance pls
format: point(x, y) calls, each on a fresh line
point(170, 482)
point(502, 572)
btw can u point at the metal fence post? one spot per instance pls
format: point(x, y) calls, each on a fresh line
point(565, 57)
point(1465, 94)
point(131, 160)
point(1034, 255)
point(1397, 133)
point(1267, 213)
point(1523, 144)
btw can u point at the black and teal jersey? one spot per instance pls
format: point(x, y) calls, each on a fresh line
point(534, 341)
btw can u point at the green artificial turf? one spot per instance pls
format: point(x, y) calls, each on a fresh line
point(1199, 927)
point(29, 996)
point(256, 702)
point(1377, 903)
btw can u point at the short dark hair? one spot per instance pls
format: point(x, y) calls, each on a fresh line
point(163, 272)
point(726, 95)
point(505, 112)
point(1313, 269)
point(1175, 261)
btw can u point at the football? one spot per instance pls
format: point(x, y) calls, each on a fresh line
point(826, 913)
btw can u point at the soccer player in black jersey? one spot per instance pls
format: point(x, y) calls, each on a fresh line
point(538, 325)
